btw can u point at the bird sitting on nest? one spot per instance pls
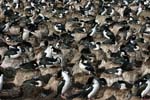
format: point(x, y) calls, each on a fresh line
point(91, 88)
point(86, 66)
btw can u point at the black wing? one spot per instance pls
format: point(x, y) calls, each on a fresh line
point(59, 88)
point(83, 93)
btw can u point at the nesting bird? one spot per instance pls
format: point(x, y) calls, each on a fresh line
point(122, 85)
point(91, 88)
point(116, 71)
point(86, 66)
point(39, 81)
point(59, 27)
point(102, 38)
point(14, 52)
point(31, 65)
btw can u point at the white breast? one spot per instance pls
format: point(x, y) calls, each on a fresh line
point(67, 82)
point(82, 67)
point(25, 34)
point(1, 82)
point(105, 34)
point(123, 86)
point(147, 89)
point(119, 72)
point(18, 53)
point(48, 51)
point(95, 89)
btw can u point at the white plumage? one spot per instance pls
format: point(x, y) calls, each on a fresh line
point(96, 87)
point(147, 89)
point(67, 81)
point(1, 81)
point(25, 34)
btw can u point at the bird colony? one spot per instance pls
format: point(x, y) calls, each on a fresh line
point(74, 49)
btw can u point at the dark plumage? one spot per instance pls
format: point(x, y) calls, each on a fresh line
point(48, 62)
point(86, 66)
point(116, 71)
point(121, 85)
point(14, 52)
point(31, 65)
point(90, 89)
point(39, 81)
point(64, 84)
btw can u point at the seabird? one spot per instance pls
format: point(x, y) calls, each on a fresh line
point(26, 33)
point(93, 30)
point(91, 88)
point(122, 85)
point(38, 81)
point(116, 71)
point(59, 27)
point(48, 51)
point(95, 45)
point(26, 45)
point(51, 51)
point(140, 9)
point(86, 66)
point(31, 65)
point(146, 91)
point(16, 3)
point(40, 18)
point(4, 27)
point(49, 61)
point(14, 52)
point(108, 34)
point(64, 84)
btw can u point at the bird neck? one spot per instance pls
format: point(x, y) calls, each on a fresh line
point(66, 77)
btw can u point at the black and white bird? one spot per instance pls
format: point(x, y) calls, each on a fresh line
point(26, 45)
point(48, 51)
point(52, 51)
point(40, 18)
point(122, 85)
point(91, 88)
point(4, 27)
point(50, 61)
point(64, 84)
point(31, 65)
point(86, 66)
point(142, 80)
point(95, 45)
point(140, 9)
point(108, 34)
point(143, 89)
point(39, 81)
point(26, 33)
point(116, 71)
point(14, 52)
point(16, 3)
point(1, 81)
point(146, 91)
point(93, 30)
point(59, 27)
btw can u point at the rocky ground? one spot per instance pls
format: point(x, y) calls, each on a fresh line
point(38, 38)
